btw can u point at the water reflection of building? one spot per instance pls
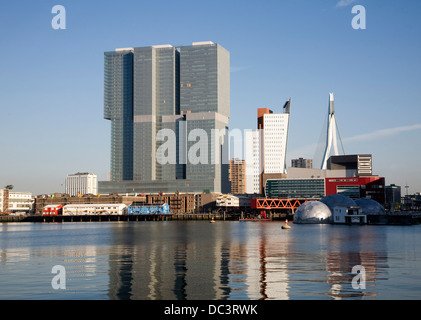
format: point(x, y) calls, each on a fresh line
point(364, 249)
point(203, 263)
point(267, 272)
point(242, 261)
point(141, 269)
point(186, 268)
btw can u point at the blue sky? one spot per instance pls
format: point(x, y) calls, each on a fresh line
point(51, 120)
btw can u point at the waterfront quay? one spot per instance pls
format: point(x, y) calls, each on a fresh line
point(404, 218)
point(123, 217)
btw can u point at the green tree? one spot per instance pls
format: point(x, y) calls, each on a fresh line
point(9, 187)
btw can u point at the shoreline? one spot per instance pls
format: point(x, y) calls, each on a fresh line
point(409, 218)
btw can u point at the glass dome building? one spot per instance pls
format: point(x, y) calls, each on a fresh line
point(313, 212)
point(338, 200)
point(370, 206)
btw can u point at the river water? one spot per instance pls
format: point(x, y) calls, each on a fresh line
point(211, 261)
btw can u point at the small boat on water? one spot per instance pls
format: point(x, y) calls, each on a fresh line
point(286, 225)
point(212, 220)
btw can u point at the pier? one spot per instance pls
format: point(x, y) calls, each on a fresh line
point(117, 218)
point(403, 218)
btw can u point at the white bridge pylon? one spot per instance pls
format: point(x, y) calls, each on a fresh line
point(331, 134)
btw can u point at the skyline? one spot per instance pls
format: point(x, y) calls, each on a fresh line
point(52, 80)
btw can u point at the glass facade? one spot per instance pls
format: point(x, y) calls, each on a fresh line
point(156, 93)
point(295, 188)
point(349, 191)
point(204, 98)
point(204, 79)
point(175, 167)
point(118, 107)
point(162, 87)
point(207, 151)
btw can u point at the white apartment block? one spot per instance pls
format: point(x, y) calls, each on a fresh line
point(232, 201)
point(15, 202)
point(273, 128)
point(274, 142)
point(252, 155)
point(81, 183)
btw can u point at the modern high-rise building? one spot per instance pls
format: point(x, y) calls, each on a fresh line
point(273, 129)
point(252, 155)
point(169, 109)
point(237, 176)
point(302, 163)
point(81, 183)
point(274, 136)
point(118, 107)
point(205, 100)
point(155, 98)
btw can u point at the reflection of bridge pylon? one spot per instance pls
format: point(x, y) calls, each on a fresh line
point(331, 134)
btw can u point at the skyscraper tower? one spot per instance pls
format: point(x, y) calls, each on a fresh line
point(179, 89)
point(273, 132)
point(155, 95)
point(205, 100)
point(331, 134)
point(274, 137)
point(118, 108)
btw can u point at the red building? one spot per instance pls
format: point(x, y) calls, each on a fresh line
point(52, 210)
point(357, 187)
